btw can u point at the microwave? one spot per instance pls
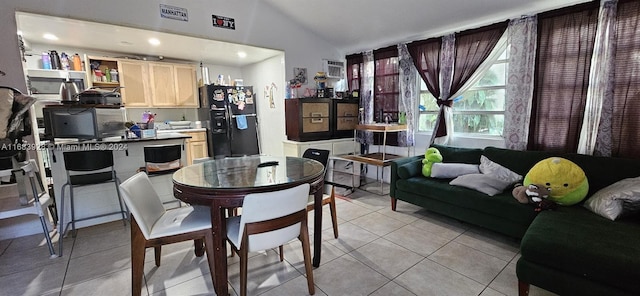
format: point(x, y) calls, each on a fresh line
point(82, 122)
point(48, 82)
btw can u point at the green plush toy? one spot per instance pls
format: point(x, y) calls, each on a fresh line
point(565, 179)
point(431, 156)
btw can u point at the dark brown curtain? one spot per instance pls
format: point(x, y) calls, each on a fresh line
point(386, 92)
point(472, 48)
point(625, 126)
point(354, 71)
point(565, 45)
point(426, 58)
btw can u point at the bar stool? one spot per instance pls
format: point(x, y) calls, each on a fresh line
point(162, 159)
point(87, 168)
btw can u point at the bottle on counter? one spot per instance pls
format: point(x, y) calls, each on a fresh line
point(77, 62)
point(64, 61)
point(55, 60)
point(46, 61)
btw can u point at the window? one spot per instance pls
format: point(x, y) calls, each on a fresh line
point(479, 110)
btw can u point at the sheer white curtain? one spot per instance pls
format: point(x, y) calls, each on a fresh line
point(596, 124)
point(408, 97)
point(366, 95)
point(519, 90)
point(446, 75)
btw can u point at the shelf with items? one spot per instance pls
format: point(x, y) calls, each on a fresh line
point(381, 158)
point(100, 71)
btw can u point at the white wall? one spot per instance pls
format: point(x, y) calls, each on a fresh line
point(264, 76)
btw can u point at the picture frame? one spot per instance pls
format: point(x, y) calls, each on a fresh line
point(300, 76)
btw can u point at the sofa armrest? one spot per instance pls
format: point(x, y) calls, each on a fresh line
point(403, 168)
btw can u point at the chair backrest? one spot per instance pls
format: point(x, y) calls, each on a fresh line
point(90, 160)
point(317, 154)
point(143, 201)
point(160, 159)
point(265, 206)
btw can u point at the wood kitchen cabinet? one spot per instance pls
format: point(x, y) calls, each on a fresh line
point(134, 80)
point(163, 88)
point(104, 64)
point(173, 85)
point(196, 146)
point(186, 91)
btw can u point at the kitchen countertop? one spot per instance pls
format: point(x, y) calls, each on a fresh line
point(186, 130)
point(173, 134)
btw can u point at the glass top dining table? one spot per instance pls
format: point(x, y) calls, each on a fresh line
point(222, 184)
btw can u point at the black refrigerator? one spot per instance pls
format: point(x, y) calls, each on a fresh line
point(233, 122)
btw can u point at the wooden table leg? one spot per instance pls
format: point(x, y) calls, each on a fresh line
point(317, 225)
point(218, 225)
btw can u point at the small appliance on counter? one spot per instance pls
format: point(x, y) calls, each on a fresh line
point(100, 96)
point(83, 121)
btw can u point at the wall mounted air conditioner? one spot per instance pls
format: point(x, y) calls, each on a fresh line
point(334, 69)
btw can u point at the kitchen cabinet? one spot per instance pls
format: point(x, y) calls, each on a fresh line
point(134, 80)
point(186, 91)
point(173, 85)
point(163, 88)
point(104, 64)
point(196, 146)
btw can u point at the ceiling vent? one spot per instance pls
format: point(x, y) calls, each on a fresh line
point(334, 69)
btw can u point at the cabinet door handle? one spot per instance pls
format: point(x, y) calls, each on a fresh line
point(348, 119)
point(316, 114)
point(348, 114)
point(316, 120)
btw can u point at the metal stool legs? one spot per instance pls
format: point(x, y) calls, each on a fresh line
point(63, 227)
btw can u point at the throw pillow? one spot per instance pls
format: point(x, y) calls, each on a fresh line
point(486, 184)
point(452, 170)
point(497, 171)
point(616, 200)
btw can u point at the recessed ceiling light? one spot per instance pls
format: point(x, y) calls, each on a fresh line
point(49, 36)
point(154, 41)
point(242, 54)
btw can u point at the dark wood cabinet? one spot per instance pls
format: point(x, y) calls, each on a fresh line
point(313, 119)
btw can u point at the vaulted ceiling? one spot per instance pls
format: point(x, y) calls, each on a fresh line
point(357, 25)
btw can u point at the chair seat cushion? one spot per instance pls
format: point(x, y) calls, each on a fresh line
point(181, 220)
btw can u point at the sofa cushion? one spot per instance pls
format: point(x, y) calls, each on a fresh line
point(604, 171)
point(519, 162)
point(459, 154)
point(501, 205)
point(410, 169)
point(576, 241)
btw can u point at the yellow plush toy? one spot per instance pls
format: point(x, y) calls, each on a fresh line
point(566, 180)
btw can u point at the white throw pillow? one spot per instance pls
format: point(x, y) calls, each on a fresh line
point(497, 171)
point(452, 170)
point(617, 199)
point(486, 184)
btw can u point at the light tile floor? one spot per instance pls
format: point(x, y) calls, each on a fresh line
point(379, 252)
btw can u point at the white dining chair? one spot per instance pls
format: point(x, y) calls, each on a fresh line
point(269, 220)
point(153, 226)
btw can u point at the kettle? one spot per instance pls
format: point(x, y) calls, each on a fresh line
point(69, 92)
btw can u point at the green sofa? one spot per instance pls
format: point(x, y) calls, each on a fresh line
point(568, 250)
